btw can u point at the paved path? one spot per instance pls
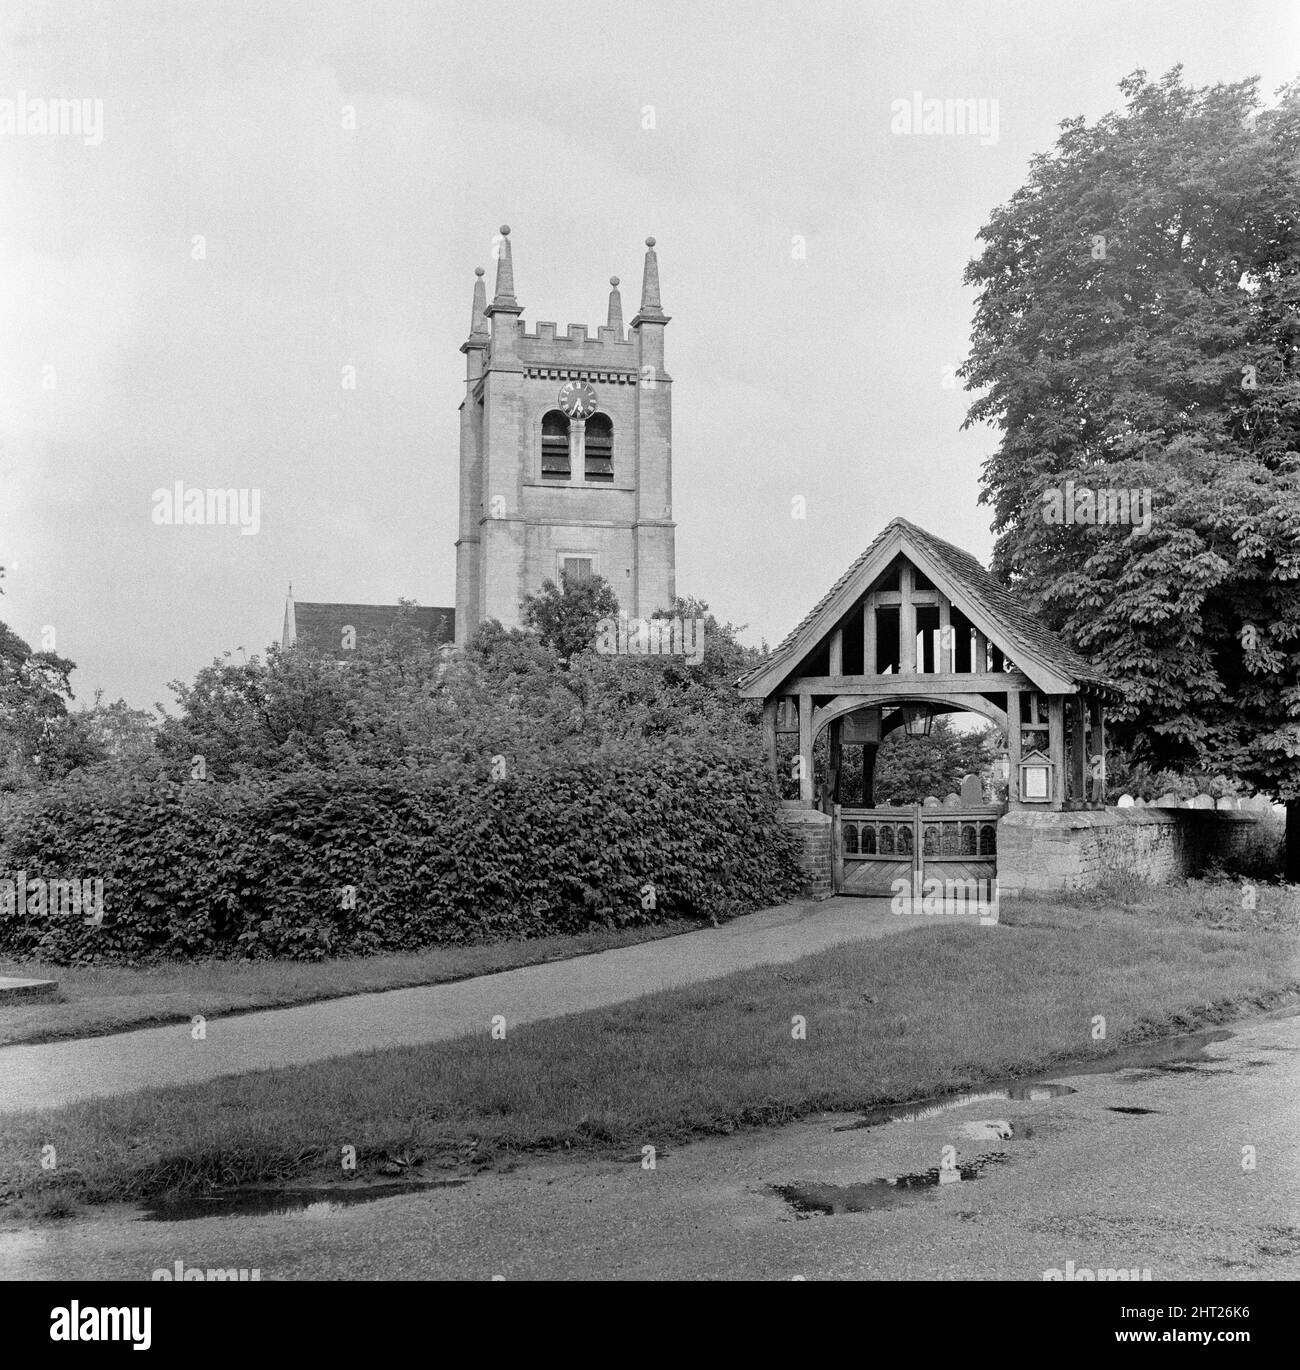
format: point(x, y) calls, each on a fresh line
point(33, 1077)
point(1162, 1190)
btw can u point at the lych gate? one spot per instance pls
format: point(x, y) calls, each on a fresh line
point(914, 628)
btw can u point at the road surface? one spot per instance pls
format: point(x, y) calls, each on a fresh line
point(1164, 1189)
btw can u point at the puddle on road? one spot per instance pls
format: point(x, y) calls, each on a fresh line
point(1117, 1108)
point(257, 1202)
point(814, 1197)
point(944, 1103)
point(1170, 1055)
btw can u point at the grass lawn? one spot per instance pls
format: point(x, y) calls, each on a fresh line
point(937, 1009)
point(97, 999)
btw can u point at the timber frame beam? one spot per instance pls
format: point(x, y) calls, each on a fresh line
point(977, 682)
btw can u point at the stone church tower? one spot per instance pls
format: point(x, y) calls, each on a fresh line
point(565, 454)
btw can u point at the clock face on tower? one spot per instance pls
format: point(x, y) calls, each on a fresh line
point(578, 400)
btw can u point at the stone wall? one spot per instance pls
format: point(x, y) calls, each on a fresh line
point(1081, 850)
point(814, 830)
point(1041, 850)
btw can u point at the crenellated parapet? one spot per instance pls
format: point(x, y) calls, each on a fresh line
point(566, 452)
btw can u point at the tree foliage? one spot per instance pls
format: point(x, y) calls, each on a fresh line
point(565, 615)
point(1138, 328)
point(911, 769)
point(39, 739)
point(401, 704)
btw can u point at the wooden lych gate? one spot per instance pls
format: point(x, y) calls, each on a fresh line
point(914, 628)
point(874, 849)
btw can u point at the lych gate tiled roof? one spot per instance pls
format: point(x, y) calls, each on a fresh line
point(972, 582)
point(1006, 606)
point(319, 627)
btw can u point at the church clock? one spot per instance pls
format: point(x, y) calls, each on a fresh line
point(577, 399)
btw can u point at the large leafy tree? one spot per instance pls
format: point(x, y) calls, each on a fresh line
point(39, 739)
point(1138, 328)
point(566, 615)
point(239, 717)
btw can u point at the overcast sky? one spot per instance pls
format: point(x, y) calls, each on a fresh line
point(128, 363)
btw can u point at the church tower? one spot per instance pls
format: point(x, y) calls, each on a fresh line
point(565, 454)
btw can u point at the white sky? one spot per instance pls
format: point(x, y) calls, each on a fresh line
point(327, 247)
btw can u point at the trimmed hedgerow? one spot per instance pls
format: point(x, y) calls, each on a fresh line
point(447, 855)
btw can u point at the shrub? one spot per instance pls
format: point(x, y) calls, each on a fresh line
point(437, 855)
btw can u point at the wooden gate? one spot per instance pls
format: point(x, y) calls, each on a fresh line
point(873, 848)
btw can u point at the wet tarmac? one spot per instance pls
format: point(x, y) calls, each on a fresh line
point(873, 1194)
point(1184, 1053)
point(1180, 1156)
point(253, 1201)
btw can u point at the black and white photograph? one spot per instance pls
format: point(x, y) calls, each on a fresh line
point(649, 642)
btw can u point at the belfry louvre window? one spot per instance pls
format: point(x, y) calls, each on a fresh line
point(575, 568)
point(555, 446)
point(600, 448)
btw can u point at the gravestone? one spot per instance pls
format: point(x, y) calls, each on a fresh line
point(952, 801)
point(972, 791)
point(930, 802)
point(1125, 801)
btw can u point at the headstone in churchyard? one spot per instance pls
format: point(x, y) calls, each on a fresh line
point(930, 802)
point(972, 791)
point(952, 801)
point(1125, 801)
point(1258, 803)
point(1201, 801)
point(1223, 802)
point(1168, 801)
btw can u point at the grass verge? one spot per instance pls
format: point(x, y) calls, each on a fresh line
point(94, 1000)
point(938, 1009)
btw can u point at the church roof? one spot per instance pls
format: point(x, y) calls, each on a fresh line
point(319, 627)
point(996, 610)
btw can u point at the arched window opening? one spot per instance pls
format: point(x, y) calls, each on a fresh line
point(600, 448)
point(555, 446)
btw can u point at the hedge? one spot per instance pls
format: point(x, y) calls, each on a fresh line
point(438, 856)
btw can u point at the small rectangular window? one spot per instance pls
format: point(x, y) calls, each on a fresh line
point(576, 568)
